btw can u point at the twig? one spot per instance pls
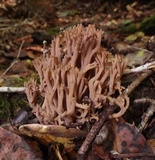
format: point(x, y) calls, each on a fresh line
point(20, 48)
point(14, 62)
point(146, 116)
point(12, 89)
point(133, 155)
point(136, 82)
point(93, 132)
point(137, 48)
point(144, 67)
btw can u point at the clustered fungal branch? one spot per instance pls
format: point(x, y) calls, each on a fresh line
point(77, 78)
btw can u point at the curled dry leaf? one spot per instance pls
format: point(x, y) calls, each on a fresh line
point(122, 137)
point(53, 133)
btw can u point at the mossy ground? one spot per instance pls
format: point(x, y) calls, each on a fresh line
point(10, 103)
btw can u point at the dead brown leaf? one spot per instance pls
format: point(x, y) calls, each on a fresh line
point(123, 138)
point(53, 134)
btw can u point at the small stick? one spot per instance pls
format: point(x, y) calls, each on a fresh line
point(12, 89)
point(136, 82)
point(143, 68)
point(93, 132)
point(14, 62)
point(133, 155)
point(146, 116)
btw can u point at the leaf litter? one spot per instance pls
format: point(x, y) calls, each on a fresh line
point(129, 31)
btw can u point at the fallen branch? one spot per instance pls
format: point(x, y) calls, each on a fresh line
point(147, 115)
point(94, 131)
point(12, 89)
point(142, 68)
point(137, 81)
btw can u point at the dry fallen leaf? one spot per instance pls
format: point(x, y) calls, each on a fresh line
point(128, 139)
point(53, 133)
point(122, 137)
point(15, 147)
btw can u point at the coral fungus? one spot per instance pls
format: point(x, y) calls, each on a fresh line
point(77, 78)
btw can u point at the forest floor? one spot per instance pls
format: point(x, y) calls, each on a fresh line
point(128, 30)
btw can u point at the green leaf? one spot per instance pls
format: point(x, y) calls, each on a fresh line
point(126, 21)
point(131, 38)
